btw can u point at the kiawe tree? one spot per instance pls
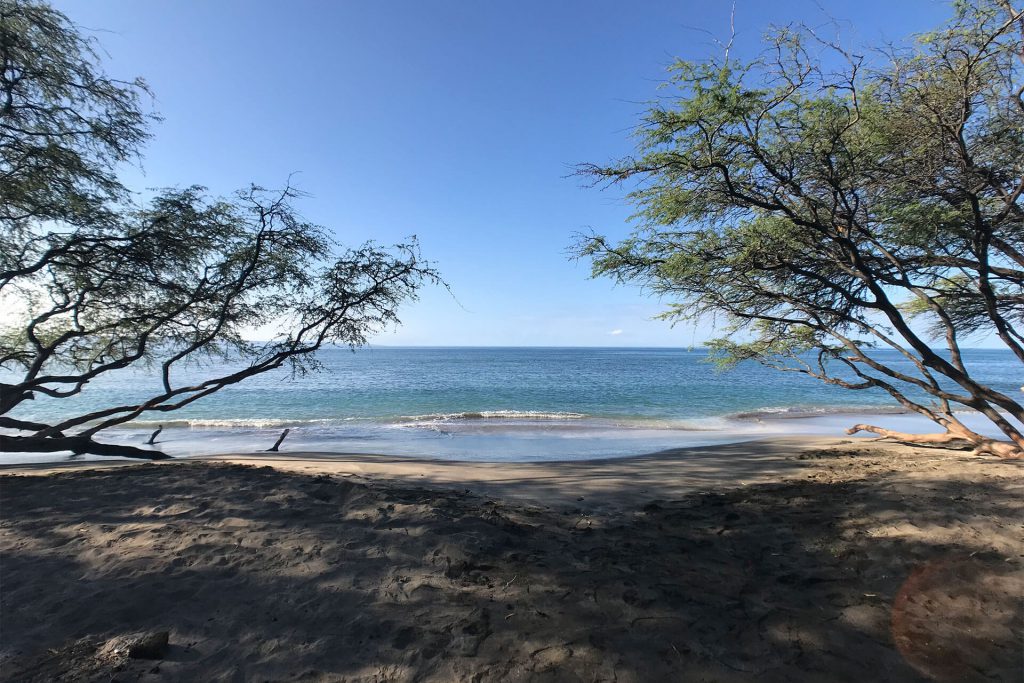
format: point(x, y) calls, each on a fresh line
point(94, 281)
point(826, 204)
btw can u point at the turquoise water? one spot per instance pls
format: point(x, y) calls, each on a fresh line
point(503, 403)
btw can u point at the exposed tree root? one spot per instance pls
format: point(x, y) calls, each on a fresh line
point(76, 444)
point(1000, 449)
point(946, 439)
point(955, 438)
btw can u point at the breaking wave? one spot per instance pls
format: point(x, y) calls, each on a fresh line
point(240, 423)
point(799, 412)
point(516, 415)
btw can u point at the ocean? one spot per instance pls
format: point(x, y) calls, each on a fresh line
point(504, 404)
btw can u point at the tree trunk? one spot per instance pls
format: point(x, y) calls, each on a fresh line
point(957, 436)
point(76, 444)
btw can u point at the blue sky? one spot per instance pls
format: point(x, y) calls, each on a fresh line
point(458, 122)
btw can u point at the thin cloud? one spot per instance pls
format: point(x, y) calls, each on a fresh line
point(615, 333)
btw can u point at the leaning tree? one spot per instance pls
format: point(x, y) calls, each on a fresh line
point(827, 203)
point(94, 281)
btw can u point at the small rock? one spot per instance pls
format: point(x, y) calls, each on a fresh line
point(149, 645)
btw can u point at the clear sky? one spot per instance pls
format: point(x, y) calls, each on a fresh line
point(458, 122)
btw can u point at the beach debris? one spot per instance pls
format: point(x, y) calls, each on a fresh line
point(277, 444)
point(152, 437)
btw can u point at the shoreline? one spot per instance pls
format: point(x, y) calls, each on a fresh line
point(502, 439)
point(664, 474)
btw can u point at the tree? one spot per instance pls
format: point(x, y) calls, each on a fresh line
point(825, 211)
point(93, 281)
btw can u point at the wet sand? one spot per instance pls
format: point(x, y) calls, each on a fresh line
point(785, 559)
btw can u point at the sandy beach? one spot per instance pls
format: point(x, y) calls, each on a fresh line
point(778, 560)
point(412, 342)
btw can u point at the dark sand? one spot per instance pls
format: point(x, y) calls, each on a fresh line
point(839, 561)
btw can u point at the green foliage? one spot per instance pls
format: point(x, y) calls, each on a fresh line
point(93, 281)
point(65, 123)
point(818, 209)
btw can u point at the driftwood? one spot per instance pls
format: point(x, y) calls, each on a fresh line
point(954, 438)
point(152, 437)
point(273, 449)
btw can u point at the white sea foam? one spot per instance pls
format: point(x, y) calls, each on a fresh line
point(487, 419)
point(238, 423)
point(800, 412)
point(517, 415)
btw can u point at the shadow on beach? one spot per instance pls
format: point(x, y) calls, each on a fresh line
point(850, 573)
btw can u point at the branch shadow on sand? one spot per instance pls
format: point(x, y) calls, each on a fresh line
point(265, 575)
